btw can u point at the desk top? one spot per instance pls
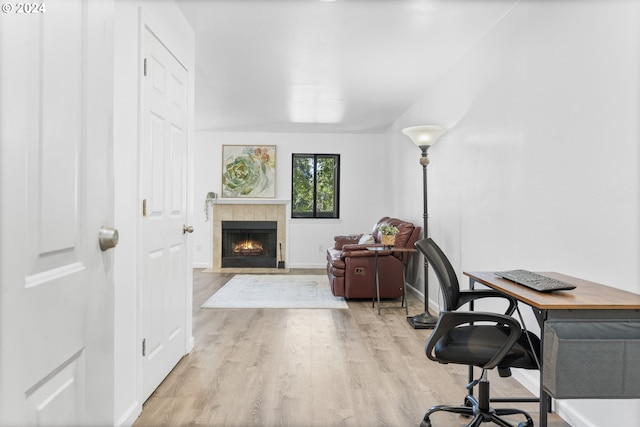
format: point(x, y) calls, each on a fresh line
point(586, 295)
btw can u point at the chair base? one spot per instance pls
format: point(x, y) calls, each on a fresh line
point(480, 410)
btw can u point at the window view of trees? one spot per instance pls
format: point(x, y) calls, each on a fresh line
point(315, 186)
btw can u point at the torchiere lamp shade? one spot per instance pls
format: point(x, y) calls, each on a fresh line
point(424, 135)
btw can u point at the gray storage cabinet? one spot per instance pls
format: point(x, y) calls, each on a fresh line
point(597, 359)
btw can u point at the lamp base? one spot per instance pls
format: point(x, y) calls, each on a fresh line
point(422, 321)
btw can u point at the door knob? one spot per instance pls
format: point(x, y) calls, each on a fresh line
point(108, 238)
point(187, 229)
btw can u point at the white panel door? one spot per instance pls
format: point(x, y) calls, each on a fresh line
point(163, 182)
point(56, 290)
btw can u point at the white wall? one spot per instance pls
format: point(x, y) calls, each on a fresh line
point(361, 181)
point(539, 169)
point(167, 20)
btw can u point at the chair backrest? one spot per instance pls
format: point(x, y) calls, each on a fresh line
point(444, 272)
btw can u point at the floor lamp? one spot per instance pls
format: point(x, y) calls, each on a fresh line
point(424, 137)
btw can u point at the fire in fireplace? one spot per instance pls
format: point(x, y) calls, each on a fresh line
point(249, 244)
point(249, 248)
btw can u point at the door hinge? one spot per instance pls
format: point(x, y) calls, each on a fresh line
point(145, 67)
point(144, 207)
point(144, 347)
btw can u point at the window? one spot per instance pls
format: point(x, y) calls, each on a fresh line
point(315, 184)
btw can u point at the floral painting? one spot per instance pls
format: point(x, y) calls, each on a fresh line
point(248, 170)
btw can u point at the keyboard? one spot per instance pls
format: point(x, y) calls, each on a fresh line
point(535, 281)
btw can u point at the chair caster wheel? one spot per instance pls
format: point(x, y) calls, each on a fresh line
point(526, 424)
point(425, 423)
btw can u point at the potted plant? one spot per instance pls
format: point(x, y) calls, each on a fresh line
point(208, 202)
point(388, 232)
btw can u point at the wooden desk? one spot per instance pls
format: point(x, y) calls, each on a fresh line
point(589, 300)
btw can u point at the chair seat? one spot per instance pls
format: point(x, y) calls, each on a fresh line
point(477, 345)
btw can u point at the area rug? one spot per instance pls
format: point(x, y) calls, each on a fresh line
point(275, 291)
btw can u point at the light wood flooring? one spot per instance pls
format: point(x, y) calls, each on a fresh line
point(310, 367)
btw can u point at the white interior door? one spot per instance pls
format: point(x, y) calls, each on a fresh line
point(163, 190)
point(56, 291)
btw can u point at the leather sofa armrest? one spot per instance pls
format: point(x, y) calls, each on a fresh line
point(340, 241)
point(361, 251)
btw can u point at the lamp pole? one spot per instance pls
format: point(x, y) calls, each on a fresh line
point(424, 320)
point(423, 137)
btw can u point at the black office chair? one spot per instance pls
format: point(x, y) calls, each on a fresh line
point(458, 338)
point(453, 296)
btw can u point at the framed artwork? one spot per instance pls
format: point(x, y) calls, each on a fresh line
point(248, 171)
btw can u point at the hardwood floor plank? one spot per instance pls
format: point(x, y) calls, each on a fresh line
point(309, 367)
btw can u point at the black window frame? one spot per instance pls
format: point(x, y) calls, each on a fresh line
point(314, 214)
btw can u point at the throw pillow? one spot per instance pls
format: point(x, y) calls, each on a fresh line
point(366, 239)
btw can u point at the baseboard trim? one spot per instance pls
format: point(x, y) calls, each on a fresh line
point(201, 265)
point(312, 265)
point(130, 415)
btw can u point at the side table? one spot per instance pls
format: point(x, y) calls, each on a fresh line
point(404, 252)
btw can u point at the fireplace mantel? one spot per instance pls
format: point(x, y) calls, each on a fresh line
point(248, 210)
point(252, 201)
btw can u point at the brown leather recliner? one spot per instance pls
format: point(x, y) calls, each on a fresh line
point(351, 267)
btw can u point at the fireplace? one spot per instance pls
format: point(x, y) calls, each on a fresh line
point(249, 244)
point(249, 210)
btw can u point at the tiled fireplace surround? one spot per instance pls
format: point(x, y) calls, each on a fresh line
point(248, 211)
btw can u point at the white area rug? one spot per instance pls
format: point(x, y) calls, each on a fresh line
point(275, 291)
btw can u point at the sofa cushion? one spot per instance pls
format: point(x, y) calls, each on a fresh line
point(337, 270)
point(366, 239)
point(404, 234)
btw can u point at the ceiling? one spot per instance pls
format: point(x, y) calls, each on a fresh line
point(343, 66)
